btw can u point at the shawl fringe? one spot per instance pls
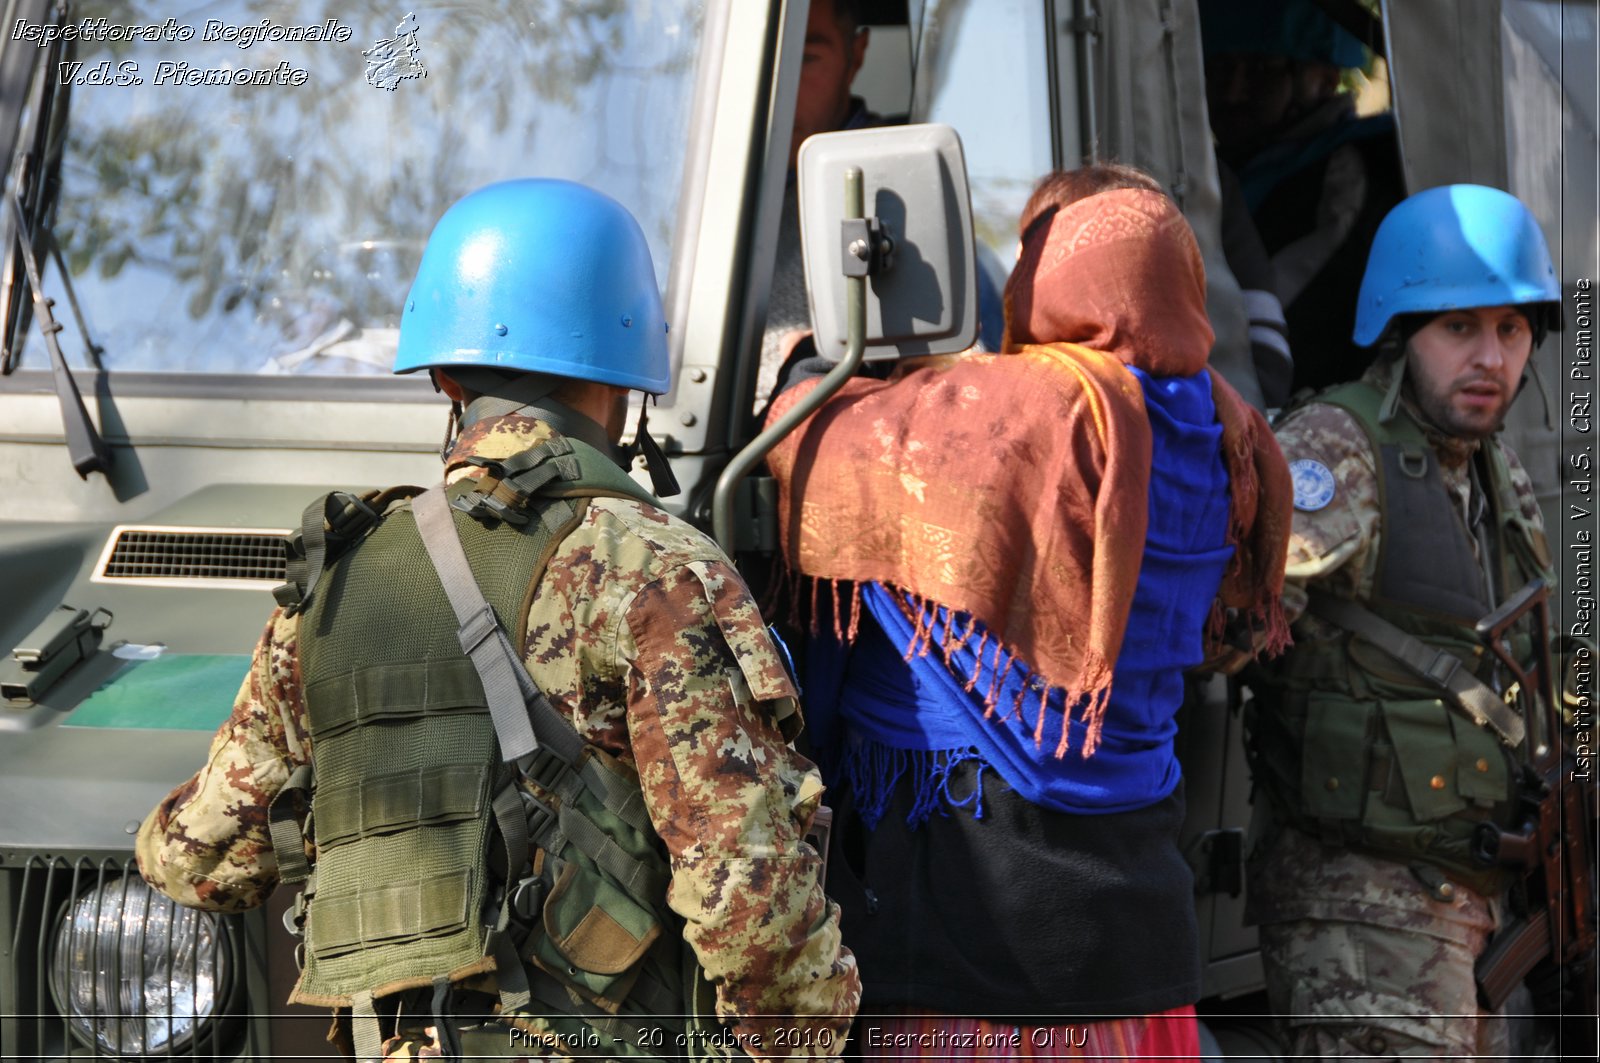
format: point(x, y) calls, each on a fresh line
point(1088, 694)
point(873, 771)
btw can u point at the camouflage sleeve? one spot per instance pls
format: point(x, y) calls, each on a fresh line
point(1334, 537)
point(1522, 486)
point(206, 845)
point(732, 802)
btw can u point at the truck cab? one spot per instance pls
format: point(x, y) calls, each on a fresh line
point(210, 220)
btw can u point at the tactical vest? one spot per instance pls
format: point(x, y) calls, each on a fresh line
point(1350, 746)
point(422, 834)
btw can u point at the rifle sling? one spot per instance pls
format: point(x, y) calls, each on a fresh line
point(1439, 667)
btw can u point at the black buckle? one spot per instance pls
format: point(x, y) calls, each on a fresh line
point(491, 464)
point(545, 768)
point(480, 506)
point(527, 900)
point(541, 816)
point(352, 517)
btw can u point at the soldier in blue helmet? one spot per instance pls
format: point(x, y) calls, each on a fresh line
point(1381, 742)
point(523, 737)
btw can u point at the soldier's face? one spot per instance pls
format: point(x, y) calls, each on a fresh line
point(833, 53)
point(1247, 95)
point(1465, 366)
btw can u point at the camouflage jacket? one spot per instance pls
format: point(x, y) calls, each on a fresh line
point(1335, 547)
point(644, 635)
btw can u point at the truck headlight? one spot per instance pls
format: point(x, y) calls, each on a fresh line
point(135, 973)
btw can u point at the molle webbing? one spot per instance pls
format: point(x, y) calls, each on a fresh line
point(405, 762)
point(410, 781)
point(603, 883)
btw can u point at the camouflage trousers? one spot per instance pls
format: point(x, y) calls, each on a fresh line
point(1362, 959)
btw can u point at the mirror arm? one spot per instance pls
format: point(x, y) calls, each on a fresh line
point(855, 350)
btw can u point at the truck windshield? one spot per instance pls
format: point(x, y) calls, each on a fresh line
point(246, 187)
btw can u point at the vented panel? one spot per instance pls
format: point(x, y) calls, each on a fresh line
point(164, 556)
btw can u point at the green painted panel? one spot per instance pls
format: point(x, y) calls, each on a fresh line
point(177, 692)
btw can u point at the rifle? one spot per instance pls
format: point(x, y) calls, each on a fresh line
point(1551, 846)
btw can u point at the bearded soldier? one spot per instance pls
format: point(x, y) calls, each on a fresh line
point(538, 725)
point(1384, 739)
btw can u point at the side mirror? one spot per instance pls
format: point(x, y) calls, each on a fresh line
point(915, 244)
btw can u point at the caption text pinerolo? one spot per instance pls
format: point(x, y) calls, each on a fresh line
point(781, 1040)
point(173, 72)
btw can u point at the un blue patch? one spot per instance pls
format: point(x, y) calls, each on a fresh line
point(1313, 484)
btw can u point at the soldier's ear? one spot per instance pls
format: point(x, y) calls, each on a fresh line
point(445, 383)
point(858, 53)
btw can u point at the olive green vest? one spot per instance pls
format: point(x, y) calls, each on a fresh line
point(415, 819)
point(1350, 746)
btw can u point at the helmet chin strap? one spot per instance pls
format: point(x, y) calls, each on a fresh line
point(1530, 375)
point(1391, 397)
point(663, 484)
point(452, 428)
point(1392, 349)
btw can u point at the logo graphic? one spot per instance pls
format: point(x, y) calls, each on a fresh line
point(397, 59)
point(1313, 484)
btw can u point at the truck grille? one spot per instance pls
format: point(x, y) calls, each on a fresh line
point(164, 556)
point(101, 967)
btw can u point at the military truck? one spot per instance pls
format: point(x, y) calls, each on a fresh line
point(211, 216)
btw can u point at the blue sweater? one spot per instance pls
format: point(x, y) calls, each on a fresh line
point(877, 718)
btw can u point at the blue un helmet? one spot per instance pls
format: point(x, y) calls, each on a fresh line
point(1454, 248)
point(538, 276)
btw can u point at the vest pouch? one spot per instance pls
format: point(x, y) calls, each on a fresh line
point(1333, 766)
point(1483, 769)
point(1425, 756)
point(389, 915)
point(594, 936)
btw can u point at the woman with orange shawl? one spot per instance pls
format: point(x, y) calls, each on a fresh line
point(1013, 559)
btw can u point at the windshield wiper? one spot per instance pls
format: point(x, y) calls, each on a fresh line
point(31, 192)
point(87, 449)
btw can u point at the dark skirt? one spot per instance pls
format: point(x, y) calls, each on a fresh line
point(1025, 913)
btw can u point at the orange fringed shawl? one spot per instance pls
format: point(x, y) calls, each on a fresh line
point(1015, 487)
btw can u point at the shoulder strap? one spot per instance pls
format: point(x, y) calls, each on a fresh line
point(1365, 403)
point(525, 722)
point(1528, 537)
point(1439, 667)
point(599, 475)
point(527, 726)
point(511, 692)
point(328, 527)
point(560, 467)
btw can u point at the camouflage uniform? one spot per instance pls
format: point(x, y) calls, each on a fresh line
point(645, 637)
point(1363, 957)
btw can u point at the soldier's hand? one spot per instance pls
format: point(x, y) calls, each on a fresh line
point(1227, 661)
point(1238, 646)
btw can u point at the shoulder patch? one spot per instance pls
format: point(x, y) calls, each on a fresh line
point(1313, 484)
